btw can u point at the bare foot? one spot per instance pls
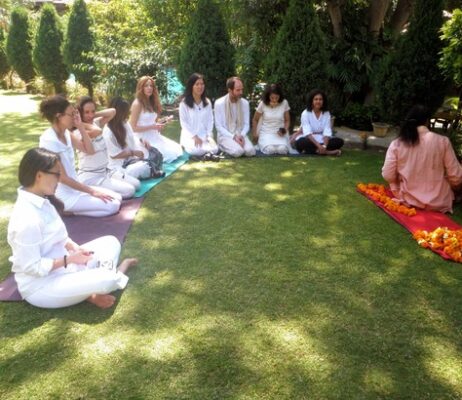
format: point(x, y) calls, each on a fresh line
point(102, 300)
point(126, 264)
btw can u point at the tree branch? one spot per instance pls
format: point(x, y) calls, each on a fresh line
point(400, 16)
point(335, 13)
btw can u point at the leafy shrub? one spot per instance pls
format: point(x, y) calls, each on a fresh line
point(47, 54)
point(19, 46)
point(358, 116)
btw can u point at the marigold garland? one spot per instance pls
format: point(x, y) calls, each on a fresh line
point(444, 239)
point(378, 193)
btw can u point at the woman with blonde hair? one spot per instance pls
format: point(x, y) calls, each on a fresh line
point(145, 121)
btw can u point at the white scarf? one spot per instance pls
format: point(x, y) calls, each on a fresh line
point(234, 125)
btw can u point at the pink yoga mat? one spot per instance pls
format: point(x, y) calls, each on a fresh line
point(423, 220)
point(82, 230)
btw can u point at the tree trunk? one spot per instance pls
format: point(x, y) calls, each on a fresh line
point(377, 12)
point(335, 13)
point(90, 90)
point(400, 16)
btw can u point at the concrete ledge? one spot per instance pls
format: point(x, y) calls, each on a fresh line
point(352, 137)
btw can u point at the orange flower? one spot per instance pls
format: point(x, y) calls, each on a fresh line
point(378, 193)
point(442, 238)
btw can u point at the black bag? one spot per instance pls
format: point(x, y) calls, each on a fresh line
point(154, 160)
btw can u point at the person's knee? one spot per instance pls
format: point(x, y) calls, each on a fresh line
point(237, 151)
point(129, 192)
point(281, 149)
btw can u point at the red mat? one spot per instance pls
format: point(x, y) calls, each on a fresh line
point(423, 220)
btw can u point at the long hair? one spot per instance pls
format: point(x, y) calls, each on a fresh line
point(151, 103)
point(52, 106)
point(418, 115)
point(82, 102)
point(117, 124)
point(311, 95)
point(188, 96)
point(273, 88)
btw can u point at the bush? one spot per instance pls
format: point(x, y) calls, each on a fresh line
point(19, 46)
point(358, 116)
point(79, 46)
point(298, 57)
point(207, 49)
point(47, 54)
point(410, 74)
point(4, 65)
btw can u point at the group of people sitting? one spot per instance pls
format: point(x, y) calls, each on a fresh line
point(270, 123)
point(53, 271)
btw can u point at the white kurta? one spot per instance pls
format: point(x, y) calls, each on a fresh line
point(170, 149)
point(318, 127)
point(272, 119)
point(37, 237)
point(220, 117)
point(49, 140)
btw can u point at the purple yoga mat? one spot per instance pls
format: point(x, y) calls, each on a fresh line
point(82, 230)
point(9, 290)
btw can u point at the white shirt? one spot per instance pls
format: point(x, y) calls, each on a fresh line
point(37, 236)
point(318, 127)
point(92, 163)
point(220, 116)
point(113, 147)
point(196, 121)
point(49, 140)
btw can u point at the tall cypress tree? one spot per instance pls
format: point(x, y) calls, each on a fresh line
point(19, 46)
point(298, 58)
point(410, 74)
point(47, 54)
point(207, 49)
point(79, 45)
point(4, 65)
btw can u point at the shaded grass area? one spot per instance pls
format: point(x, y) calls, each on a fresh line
point(259, 279)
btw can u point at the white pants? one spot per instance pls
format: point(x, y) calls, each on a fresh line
point(91, 206)
point(113, 183)
point(138, 170)
point(208, 146)
point(275, 149)
point(76, 283)
point(229, 146)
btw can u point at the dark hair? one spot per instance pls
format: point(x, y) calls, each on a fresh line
point(82, 102)
point(232, 81)
point(51, 106)
point(311, 95)
point(418, 115)
point(188, 96)
point(117, 124)
point(270, 89)
point(35, 160)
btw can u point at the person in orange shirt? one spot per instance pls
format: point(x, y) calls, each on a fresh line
point(421, 166)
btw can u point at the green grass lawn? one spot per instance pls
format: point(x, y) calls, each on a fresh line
point(266, 278)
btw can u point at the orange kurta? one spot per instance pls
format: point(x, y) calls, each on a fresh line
point(423, 175)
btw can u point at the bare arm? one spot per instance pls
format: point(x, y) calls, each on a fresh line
point(286, 120)
point(255, 119)
point(105, 115)
point(83, 143)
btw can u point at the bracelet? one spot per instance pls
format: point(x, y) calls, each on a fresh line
point(65, 261)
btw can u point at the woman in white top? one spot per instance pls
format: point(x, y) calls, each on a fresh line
point(271, 122)
point(196, 119)
point(125, 154)
point(93, 168)
point(145, 121)
point(78, 198)
point(50, 269)
point(315, 134)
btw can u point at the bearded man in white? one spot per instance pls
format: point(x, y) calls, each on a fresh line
point(232, 121)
